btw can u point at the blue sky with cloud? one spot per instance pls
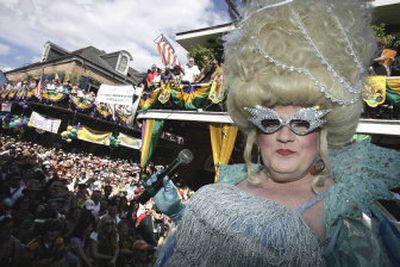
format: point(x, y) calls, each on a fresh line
point(110, 25)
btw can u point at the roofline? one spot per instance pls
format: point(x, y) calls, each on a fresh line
point(379, 3)
point(56, 46)
point(78, 58)
point(117, 53)
point(214, 29)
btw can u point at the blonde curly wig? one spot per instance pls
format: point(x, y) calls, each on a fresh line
point(254, 79)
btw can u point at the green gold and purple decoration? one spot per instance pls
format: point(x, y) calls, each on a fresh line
point(190, 96)
point(374, 93)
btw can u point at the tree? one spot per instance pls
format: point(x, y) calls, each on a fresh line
point(388, 40)
point(198, 52)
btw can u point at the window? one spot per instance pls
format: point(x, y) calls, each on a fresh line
point(122, 65)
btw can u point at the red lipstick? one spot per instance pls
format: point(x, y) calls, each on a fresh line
point(284, 152)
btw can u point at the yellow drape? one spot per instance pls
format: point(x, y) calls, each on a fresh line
point(98, 137)
point(223, 137)
point(146, 141)
point(394, 84)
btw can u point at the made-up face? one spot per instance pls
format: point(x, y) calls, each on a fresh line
point(286, 155)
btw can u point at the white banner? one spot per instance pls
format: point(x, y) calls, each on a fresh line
point(44, 123)
point(129, 141)
point(115, 94)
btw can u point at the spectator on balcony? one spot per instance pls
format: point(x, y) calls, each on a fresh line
point(66, 88)
point(167, 76)
point(50, 86)
point(74, 90)
point(178, 72)
point(207, 71)
point(191, 72)
point(151, 79)
point(32, 84)
point(395, 67)
point(382, 64)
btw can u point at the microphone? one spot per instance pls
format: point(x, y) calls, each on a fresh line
point(152, 187)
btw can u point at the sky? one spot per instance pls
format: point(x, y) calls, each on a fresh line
point(109, 25)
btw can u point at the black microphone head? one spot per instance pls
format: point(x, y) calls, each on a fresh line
point(185, 156)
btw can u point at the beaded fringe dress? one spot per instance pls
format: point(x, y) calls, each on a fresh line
point(225, 226)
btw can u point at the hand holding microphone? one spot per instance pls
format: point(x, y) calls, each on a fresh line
point(157, 180)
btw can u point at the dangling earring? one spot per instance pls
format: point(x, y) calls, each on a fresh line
point(317, 167)
point(259, 161)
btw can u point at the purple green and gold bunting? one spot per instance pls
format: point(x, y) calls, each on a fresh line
point(190, 96)
point(103, 110)
point(29, 94)
point(20, 94)
point(165, 93)
point(80, 104)
point(149, 99)
point(4, 94)
point(374, 93)
point(393, 91)
point(53, 97)
point(12, 94)
point(151, 131)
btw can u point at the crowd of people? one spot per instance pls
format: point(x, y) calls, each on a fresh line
point(190, 73)
point(75, 209)
point(51, 86)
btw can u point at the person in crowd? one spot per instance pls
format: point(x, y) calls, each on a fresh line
point(178, 71)
point(206, 72)
point(66, 87)
point(81, 196)
point(395, 67)
point(152, 79)
point(11, 248)
point(74, 90)
point(133, 250)
point(107, 191)
point(96, 198)
point(23, 216)
point(78, 253)
point(48, 248)
point(295, 81)
point(167, 76)
point(15, 186)
point(105, 242)
point(112, 210)
point(72, 219)
point(382, 64)
point(123, 207)
point(145, 222)
point(191, 71)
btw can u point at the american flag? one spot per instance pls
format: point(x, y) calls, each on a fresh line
point(38, 90)
point(166, 51)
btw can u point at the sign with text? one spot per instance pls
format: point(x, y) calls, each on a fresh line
point(115, 94)
point(44, 123)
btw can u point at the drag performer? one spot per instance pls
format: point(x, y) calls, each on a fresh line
point(296, 70)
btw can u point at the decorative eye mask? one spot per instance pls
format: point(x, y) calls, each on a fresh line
point(302, 122)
